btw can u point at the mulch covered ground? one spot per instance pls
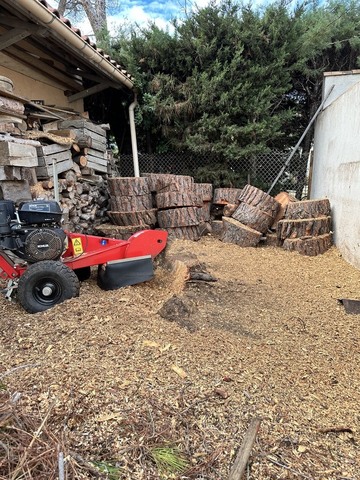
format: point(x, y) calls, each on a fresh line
point(110, 379)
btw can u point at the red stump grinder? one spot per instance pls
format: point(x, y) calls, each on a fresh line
point(45, 263)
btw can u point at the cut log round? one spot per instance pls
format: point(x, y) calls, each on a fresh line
point(143, 217)
point(303, 227)
point(257, 198)
point(253, 217)
point(116, 231)
point(177, 199)
point(284, 198)
point(84, 141)
point(185, 233)
point(229, 209)
point(272, 240)
point(178, 217)
point(223, 196)
point(238, 233)
point(131, 203)
point(80, 160)
point(310, 246)
point(204, 191)
point(204, 212)
point(6, 84)
point(217, 228)
point(167, 182)
point(308, 209)
point(121, 186)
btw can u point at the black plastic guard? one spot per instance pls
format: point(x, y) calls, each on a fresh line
point(121, 273)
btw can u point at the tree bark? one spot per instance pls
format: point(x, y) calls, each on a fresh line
point(142, 217)
point(253, 217)
point(131, 203)
point(308, 209)
point(311, 246)
point(257, 198)
point(178, 217)
point(120, 186)
point(307, 227)
point(192, 232)
point(177, 199)
point(204, 191)
point(236, 232)
point(223, 196)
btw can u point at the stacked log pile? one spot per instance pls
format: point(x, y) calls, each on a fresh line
point(204, 194)
point(306, 227)
point(252, 218)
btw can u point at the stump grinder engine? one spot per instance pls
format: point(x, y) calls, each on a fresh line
point(44, 263)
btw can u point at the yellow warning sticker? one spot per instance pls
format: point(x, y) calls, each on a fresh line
point(77, 245)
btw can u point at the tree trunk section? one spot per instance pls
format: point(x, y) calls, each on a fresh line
point(184, 233)
point(142, 217)
point(178, 217)
point(120, 232)
point(177, 199)
point(303, 227)
point(223, 196)
point(308, 209)
point(166, 182)
point(284, 199)
point(257, 198)
point(236, 232)
point(128, 186)
point(253, 217)
point(204, 191)
point(311, 246)
point(131, 203)
point(204, 212)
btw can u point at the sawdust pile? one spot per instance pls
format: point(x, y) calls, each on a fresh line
point(114, 381)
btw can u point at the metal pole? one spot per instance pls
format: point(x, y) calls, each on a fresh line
point(56, 181)
point(300, 140)
point(133, 137)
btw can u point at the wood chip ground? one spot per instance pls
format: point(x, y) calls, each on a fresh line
point(268, 340)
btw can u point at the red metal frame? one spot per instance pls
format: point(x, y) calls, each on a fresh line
point(88, 250)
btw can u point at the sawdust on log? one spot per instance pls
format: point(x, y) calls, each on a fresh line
point(268, 340)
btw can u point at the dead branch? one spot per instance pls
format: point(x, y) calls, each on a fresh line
point(243, 455)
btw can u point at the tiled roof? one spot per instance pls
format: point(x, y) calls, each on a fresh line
point(85, 38)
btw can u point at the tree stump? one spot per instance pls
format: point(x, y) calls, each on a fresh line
point(178, 217)
point(310, 246)
point(308, 209)
point(129, 203)
point(128, 186)
point(142, 217)
point(177, 199)
point(303, 227)
point(223, 196)
point(257, 198)
point(253, 217)
point(217, 228)
point(192, 232)
point(236, 232)
point(204, 191)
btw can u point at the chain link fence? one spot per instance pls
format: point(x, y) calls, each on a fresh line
point(260, 170)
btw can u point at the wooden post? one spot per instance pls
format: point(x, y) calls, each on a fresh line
point(243, 455)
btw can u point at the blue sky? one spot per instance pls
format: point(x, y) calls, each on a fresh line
point(142, 12)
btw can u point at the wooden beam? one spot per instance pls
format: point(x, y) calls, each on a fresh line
point(43, 67)
point(88, 91)
point(13, 36)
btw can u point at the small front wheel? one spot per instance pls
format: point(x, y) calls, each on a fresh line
point(45, 284)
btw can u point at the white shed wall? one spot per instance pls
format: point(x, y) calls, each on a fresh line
point(336, 166)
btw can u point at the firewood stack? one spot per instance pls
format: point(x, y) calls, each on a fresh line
point(306, 227)
point(11, 108)
point(252, 218)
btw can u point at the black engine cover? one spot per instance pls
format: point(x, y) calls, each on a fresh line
point(43, 244)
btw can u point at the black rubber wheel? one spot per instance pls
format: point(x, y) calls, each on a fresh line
point(45, 284)
point(83, 273)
